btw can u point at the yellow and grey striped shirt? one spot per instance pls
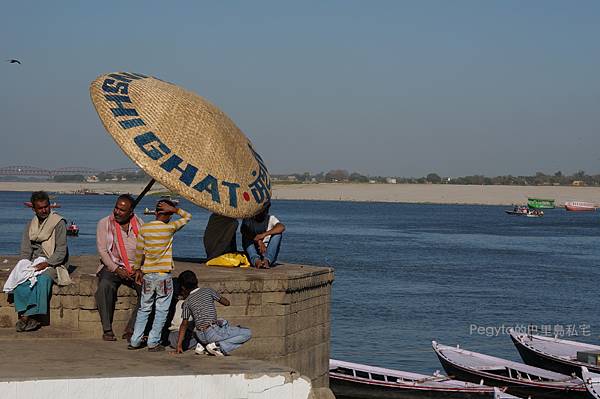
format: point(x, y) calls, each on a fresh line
point(155, 244)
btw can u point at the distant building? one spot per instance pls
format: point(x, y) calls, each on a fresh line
point(92, 179)
point(372, 181)
point(390, 180)
point(578, 183)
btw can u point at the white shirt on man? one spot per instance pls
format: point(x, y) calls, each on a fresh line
point(255, 227)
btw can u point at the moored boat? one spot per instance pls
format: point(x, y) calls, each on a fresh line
point(352, 380)
point(520, 379)
point(579, 206)
point(540, 203)
point(559, 355)
point(592, 382)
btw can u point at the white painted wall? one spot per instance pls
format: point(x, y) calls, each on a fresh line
point(232, 386)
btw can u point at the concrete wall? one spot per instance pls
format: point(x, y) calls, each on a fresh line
point(287, 308)
point(160, 387)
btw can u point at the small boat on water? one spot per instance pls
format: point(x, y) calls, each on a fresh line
point(540, 203)
point(148, 211)
point(559, 355)
point(351, 380)
point(53, 205)
point(85, 191)
point(519, 210)
point(520, 379)
point(72, 229)
point(592, 382)
point(534, 213)
point(579, 206)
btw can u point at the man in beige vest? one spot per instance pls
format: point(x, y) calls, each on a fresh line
point(44, 242)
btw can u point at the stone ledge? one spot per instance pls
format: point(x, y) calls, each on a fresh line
point(286, 307)
point(81, 369)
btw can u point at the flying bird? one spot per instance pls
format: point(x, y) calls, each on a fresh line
point(14, 62)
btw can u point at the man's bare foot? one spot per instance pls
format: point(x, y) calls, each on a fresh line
point(266, 264)
point(258, 263)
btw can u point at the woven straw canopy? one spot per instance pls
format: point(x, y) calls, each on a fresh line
point(184, 142)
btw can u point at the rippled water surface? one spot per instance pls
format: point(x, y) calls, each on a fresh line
point(407, 274)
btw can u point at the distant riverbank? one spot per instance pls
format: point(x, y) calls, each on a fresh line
point(409, 193)
point(435, 193)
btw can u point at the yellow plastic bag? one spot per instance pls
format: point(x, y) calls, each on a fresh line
point(230, 260)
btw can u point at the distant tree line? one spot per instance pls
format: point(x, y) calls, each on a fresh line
point(103, 177)
point(539, 179)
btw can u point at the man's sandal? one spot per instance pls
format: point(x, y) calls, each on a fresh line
point(109, 336)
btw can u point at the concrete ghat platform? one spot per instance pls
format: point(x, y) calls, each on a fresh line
point(80, 369)
point(287, 308)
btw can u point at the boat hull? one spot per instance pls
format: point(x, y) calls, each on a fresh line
point(351, 389)
point(572, 208)
point(548, 362)
point(515, 386)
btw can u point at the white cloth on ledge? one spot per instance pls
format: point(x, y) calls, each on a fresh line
point(23, 271)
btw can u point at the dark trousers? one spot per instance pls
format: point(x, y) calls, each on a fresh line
point(106, 298)
point(219, 236)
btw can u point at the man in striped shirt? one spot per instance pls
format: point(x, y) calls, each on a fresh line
point(153, 265)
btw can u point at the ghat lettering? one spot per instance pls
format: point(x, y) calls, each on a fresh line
point(116, 92)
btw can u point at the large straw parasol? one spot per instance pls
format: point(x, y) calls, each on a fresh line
point(184, 142)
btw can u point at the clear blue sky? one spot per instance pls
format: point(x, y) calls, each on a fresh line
point(398, 88)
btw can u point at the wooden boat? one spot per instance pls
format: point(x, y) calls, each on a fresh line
point(559, 355)
point(520, 379)
point(579, 206)
point(592, 382)
point(351, 380)
point(540, 203)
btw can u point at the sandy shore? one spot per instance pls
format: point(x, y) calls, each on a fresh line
point(133, 188)
point(435, 193)
point(411, 193)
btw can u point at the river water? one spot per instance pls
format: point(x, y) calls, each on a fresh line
point(407, 274)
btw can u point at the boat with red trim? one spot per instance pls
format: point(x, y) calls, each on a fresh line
point(579, 206)
point(519, 379)
point(352, 380)
point(559, 355)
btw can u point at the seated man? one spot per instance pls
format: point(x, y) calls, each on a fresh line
point(219, 236)
point(43, 252)
point(261, 238)
point(116, 239)
point(219, 337)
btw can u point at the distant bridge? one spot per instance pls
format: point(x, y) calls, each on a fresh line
point(26, 170)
